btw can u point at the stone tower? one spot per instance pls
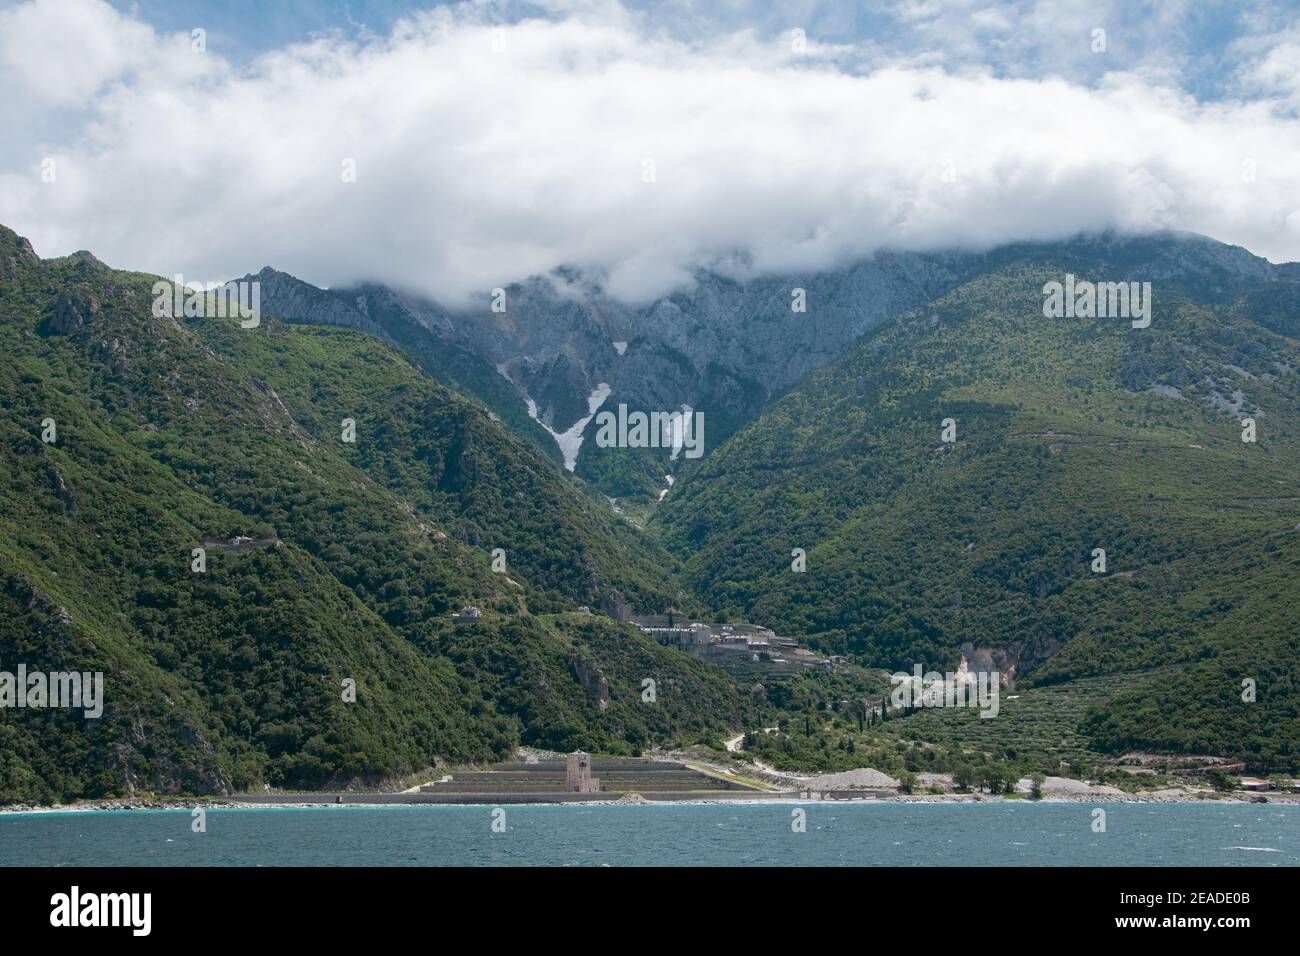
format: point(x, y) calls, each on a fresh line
point(577, 774)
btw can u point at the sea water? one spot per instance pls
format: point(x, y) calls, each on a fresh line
point(772, 834)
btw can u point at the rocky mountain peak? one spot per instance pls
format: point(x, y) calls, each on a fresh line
point(16, 252)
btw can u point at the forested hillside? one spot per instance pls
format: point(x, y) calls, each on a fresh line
point(1071, 434)
point(131, 439)
point(326, 561)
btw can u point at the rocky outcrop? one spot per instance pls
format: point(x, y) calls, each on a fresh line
point(16, 253)
point(614, 605)
point(592, 679)
point(87, 262)
point(1014, 659)
point(292, 300)
point(64, 492)
point(71, 312)
point(559, 386)
point(113, 352)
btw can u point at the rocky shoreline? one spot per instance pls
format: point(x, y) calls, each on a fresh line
point(841, 796)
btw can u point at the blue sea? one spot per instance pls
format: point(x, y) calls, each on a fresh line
point(834, 834)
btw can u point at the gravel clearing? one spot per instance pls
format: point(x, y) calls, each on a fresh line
point(851, 780)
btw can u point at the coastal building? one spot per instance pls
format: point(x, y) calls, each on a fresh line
point(741, 648)
point(577, 774)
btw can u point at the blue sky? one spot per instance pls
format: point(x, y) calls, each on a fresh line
point(246, 28)
point(1207, 39)
point(450, 148)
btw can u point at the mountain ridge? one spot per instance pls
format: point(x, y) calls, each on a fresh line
point(727, 346)
point(1071, 435)
point(322, 562)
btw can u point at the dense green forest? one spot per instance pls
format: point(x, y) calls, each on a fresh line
point(179, 434)
point(332, 564)
point(1070, 435)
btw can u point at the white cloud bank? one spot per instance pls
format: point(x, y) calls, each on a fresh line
point(485, 154)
